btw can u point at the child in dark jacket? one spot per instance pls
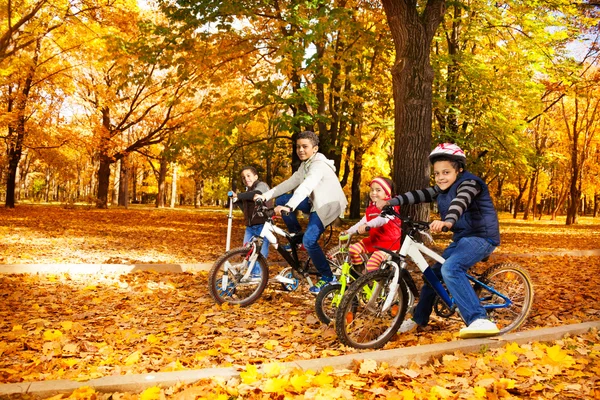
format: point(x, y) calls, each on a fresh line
point(383, 232)
point(254, 223)
point(467, 210)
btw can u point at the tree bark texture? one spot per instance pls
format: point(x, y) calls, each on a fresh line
point(412, 77)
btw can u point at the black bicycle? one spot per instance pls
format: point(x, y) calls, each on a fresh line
point(241, 275)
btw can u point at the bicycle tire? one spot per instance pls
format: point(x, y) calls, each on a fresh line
point(360, 321)
point(236, 292)
point(513, 281)
point(325, 307)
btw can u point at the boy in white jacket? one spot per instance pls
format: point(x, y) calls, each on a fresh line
point(317, 191)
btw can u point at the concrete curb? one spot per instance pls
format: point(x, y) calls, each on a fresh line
point(395, 357)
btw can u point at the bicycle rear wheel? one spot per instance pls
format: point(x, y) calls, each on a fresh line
point(361, 321)
point(512, 281)
point(230, 268)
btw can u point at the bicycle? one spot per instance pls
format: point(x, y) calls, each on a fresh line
point(330, 295)
point(365, 322)
point(230, 279)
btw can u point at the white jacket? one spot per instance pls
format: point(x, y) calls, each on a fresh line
point(317, 180)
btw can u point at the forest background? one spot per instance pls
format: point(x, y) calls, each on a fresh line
point(119, 102)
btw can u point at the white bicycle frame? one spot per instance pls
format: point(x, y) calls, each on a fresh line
point(415, 251)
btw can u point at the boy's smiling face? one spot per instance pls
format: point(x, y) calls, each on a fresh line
point(305, 149)
point(445, 174)
point(249, 177)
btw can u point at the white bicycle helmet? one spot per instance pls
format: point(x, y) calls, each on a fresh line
point(448, 150)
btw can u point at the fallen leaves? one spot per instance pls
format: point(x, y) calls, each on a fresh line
point(80, 327)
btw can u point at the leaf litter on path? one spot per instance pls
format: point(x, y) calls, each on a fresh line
point(81, 327)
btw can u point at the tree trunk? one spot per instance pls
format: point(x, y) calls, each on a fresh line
point(531, 198)
point(412, 77)
point(103, 181)
point(162, 177)
point(199, 191)
point(16, 132)
point(124, 182)
point(519, 197)
point(355, 200)
point(174, 186)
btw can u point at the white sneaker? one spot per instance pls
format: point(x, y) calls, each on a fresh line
point(408, 326)
point(479, 328)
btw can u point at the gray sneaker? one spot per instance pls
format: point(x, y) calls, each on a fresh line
point(408, 326)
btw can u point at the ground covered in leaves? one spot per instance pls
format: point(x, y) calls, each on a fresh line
point(81, 327)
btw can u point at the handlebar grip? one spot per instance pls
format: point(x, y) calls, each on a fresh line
point(367, 228)
point(445, 229)
point(285, 213)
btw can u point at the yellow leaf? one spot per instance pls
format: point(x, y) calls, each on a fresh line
point(480, 392)
point(275, 385)
point(272, 369)
point(212, 352)
point(251, 374)
point(70, 361)
point(300, 382)
point(367, 366)
point(270, 344)
point(508, 358)
point(523, 371)
point(152, 393)
point(262, 322)
point(66, 325)
point(52, 334)
point(17, 327)
point(557, 355)
point(133, 358)
point(152, 339)
point(441, 392)
point(408, 394)
point(322, 379)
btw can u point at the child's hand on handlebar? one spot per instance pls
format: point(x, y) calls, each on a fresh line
point(259, 197)
point(363, 228)
point(438, 226)
point(285, 209)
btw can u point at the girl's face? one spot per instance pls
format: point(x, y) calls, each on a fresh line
point(249, 177)
point(305, 149)
point(377, 192)
point(445, 174)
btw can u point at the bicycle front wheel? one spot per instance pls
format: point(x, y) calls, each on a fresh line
point(225, 279)
point(326, 303)
point(512, 281)
point(361, 320)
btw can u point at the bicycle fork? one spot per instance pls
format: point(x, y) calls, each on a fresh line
point(251, 261)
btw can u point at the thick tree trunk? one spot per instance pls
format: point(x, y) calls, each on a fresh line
point(412, 77)
point(103, 181)
point(355, 200)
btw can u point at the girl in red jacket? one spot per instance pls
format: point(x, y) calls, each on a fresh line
point(383, 232)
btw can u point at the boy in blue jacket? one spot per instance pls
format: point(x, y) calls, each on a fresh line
point(467, 210)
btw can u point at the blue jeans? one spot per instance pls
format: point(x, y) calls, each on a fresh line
point(459, 256)
point(310, 240)
point(254, 230)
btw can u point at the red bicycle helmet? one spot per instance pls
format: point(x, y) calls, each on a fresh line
point(448, 150)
